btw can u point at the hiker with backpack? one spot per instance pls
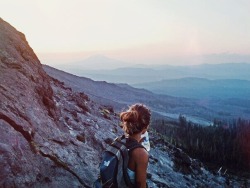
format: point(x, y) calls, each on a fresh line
point(125, 161)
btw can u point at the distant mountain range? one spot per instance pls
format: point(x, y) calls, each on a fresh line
point(95, 62)
point(153, 73)
point(231, 80)
point(200, 88)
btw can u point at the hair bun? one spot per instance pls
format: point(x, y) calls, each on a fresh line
point(135, 119)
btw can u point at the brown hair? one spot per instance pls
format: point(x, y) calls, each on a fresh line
point(135, 119)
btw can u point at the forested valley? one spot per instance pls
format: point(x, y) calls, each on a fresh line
point(224, 144)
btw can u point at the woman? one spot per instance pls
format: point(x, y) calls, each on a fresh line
point(135, 122)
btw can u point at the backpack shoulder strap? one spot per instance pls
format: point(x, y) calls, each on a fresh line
point(121, 142)
point(133, 144)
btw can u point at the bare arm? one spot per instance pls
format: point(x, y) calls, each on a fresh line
point(141, 161)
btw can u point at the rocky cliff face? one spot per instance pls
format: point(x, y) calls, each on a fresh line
point(48, 133)
point(53, 136)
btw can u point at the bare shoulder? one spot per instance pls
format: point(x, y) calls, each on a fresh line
point(140, 155)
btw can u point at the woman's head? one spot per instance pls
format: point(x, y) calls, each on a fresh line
point(135, 119)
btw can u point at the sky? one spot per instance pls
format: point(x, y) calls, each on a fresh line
point(135, 31)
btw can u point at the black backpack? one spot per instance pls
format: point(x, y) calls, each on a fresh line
point(114, 164)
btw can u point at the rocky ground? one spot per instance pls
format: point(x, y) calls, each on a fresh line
point(53, 136)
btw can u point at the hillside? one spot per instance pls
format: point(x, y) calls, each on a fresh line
point(53, 136)
point(202, 110)
point(120, 95)
point(100, 90)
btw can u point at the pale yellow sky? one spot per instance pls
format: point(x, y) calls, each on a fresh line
point(133, 30)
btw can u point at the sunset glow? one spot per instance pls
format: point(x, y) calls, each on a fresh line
point(139, 30)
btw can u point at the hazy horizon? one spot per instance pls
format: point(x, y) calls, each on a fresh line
point(59, 59)
point(138, 32)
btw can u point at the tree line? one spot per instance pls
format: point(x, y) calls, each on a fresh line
point(225, 143)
